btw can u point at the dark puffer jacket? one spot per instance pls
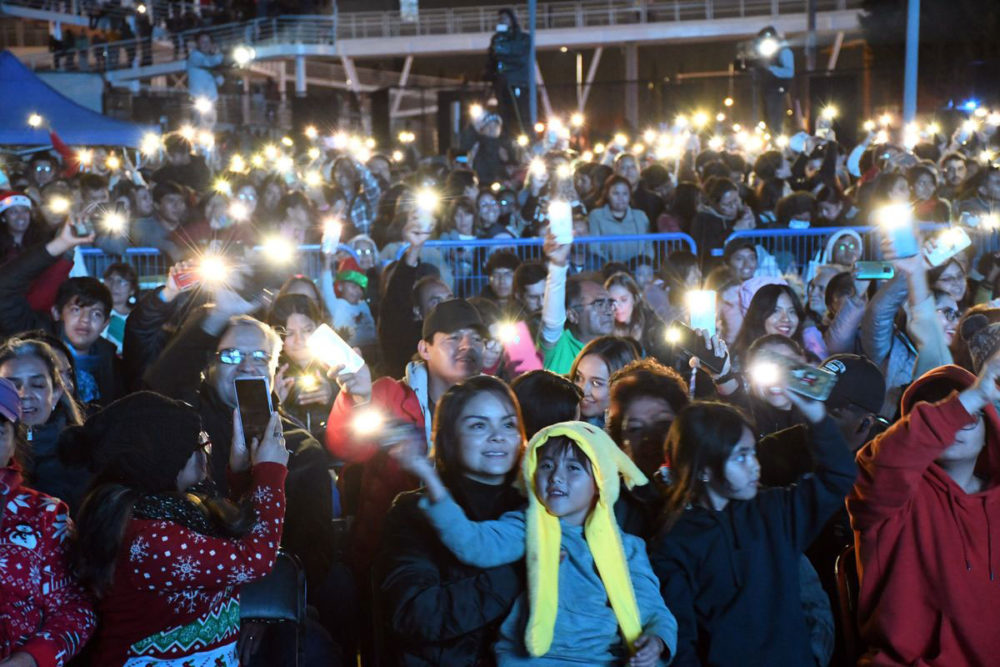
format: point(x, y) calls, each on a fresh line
point(437, 610)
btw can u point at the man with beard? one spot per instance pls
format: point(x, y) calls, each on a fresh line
point(574, 311)
point(450, 351)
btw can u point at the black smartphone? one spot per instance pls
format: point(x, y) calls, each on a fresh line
point(253, 400)
point(82, 228)
point(688, 340)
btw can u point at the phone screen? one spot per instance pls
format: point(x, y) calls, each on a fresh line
point(253, 399)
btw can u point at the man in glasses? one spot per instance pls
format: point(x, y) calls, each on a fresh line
point(42, 169)
point(200, 365)
point(575, 310)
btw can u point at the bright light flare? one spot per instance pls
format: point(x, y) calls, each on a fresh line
point(114, 222)
point(313, 179)
point(768, 47)
point(673, 335)
point(576, 119)
point(428, 200)
point(406, 137)
point(522, 140)
point(223, 187)
point(238, 211)
point(85, 156)
point(728, 102)
point(203, 105)
point(311, 132)
point(869, 126)
point(187, 132)
point(113, 163)
point(59, 205)
point(278, 250)
point(830, 113)
point(244, 55)
point(564, 171)
point(367, 422)
point(893, 216)
point(476, 111)
point(151, 144)
point(35, 120)
point(539, 127)
point(537, 167)
point(206, 139)
point(213, 269)
point(700, 119)
point(397, 156)
point(507, 333)
point(765, 374)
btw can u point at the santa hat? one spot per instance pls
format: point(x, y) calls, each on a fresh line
point(348, 271)
point(10, 198)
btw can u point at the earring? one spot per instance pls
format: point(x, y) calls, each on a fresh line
point(704, 477)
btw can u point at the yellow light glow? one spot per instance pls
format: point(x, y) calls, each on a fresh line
point(587, 156)
point(495, 187)
point(737, 127)
point(59, 205)
point(539, 127)
point(476, 111)
point(114, 222)
point(673, 335)
point(35, 120)
point(287, 141)
point(720, 117)
point(311, 132)
point(243, 55)
point(406, 137)
point(681, 121)
point(869, 125)
point(990, 221)
point(537, 167)
point(270, 151)
point(970, 126)
point(313, 179)
point(621, 139)
point(830, 112)
point(933, 129)
point(781, 141)
point(206, 139)
point(203, 105)
point(882, 137)
point(765, 374)
point(649, 136)
point(370, 143)
point(313, 153)
point(576, 119)
point(768, 47)
point(308, 383)
point(187, 132)
point(257, 160)
point(638, 149)
point(700, 119)
point(151, 144)
point(716, 143)
point(113, 163)
point(728, 102)
point(993, 120)
point(223, 187)
point(985, 156)
point(427, 200)
point(85, 156)
point(885, 119)
point(284, 164)
point(522, 140)
point(598, 148)
point(893, 216)
point(397, 156)
point(980, 112)
point(238, 211)
point(507, 333)
point(564, 171)
point(213, 269)
point(278, 249)
point(367, 422)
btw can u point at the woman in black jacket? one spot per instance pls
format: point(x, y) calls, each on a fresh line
point(728, 557)
point(437, 610)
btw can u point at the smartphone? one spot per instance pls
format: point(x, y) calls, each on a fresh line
point(946, 245)
point(688, 340)
point(253, 400)
point(82, 228)
point(809, 381)
point(701, 308)
point(186, 279)
point(326, 346)
point(864, 270)
point(561, 221)
point(521, 350)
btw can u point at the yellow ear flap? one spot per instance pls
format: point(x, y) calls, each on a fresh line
point(544, 538)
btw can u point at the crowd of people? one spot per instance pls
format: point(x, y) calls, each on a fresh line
point(537, 463)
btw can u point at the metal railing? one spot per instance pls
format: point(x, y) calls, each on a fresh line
point(158, 8)
point(124, 54)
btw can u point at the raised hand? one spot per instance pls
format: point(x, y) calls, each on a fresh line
point(272, 448)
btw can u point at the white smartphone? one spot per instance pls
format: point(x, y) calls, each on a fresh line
point(329, 348)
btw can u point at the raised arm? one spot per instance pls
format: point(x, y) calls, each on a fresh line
point(554, 298)
point(891, 466)
point(877, 323)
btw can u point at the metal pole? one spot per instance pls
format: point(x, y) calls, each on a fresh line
point(910, 71)
point(532, 86)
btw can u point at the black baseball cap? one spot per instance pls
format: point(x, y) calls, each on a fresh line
point(450, 316)
point(859, 382)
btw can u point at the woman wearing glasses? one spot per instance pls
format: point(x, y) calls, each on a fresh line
point(164, 556)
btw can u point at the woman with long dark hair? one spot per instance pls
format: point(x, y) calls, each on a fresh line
point(164, 556)
point(48, 408)
point(44, 616)
point(614, 216)
point(774, 309)
point(728, 557)
point(592, 370)
point(440, 611)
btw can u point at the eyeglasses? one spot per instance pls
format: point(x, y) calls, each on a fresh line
point(951, 314)
point(599, 304)
point(43, 167)
point(233, 357)
point(365, 251)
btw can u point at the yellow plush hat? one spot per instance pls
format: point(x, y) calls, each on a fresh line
point(544, 536)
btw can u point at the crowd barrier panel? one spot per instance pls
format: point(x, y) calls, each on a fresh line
point(793, 249)
point(467, 259)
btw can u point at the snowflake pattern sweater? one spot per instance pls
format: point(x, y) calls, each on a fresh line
point(44, 612)
point(175, 595)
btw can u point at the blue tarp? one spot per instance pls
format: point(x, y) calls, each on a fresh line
point(22, 93)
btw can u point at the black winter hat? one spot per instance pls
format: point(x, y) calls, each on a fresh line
point(141, 441)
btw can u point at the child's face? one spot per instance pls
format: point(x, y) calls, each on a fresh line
point(564, 484)
point(742, 471)
point(352, 292)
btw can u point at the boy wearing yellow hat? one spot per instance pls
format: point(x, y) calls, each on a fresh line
point(592, 596)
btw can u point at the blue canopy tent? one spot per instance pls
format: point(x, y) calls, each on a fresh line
point(23, 93)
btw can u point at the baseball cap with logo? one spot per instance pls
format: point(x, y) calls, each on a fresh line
point(859, 382)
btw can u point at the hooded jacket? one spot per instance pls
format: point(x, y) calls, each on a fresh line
point(731, 577)
point(928, 553)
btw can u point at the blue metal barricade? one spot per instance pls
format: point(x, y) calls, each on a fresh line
point(467, 259)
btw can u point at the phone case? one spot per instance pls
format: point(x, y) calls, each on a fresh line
point(521, 350)
point(254, 417)
point(331, 349)
point(864, 270)
point(803, 379)
point(947, 244)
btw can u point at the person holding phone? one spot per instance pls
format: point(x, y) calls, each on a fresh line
point(216, 346)
point(728, 556)
point(165, 557)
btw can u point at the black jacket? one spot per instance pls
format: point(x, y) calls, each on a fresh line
point(16, 316)
point(147, 330)
point(398, 331)
point(439, 611)
point(308, 532)
point(731, 578)
point(47, 472)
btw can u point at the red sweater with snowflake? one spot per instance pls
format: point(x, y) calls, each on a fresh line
point(44, 611)
point(175, 593)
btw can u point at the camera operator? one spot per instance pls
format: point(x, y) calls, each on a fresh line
point(510, 70)
point(772, 65)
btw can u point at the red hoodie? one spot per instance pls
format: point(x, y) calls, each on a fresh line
point(930, 572)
